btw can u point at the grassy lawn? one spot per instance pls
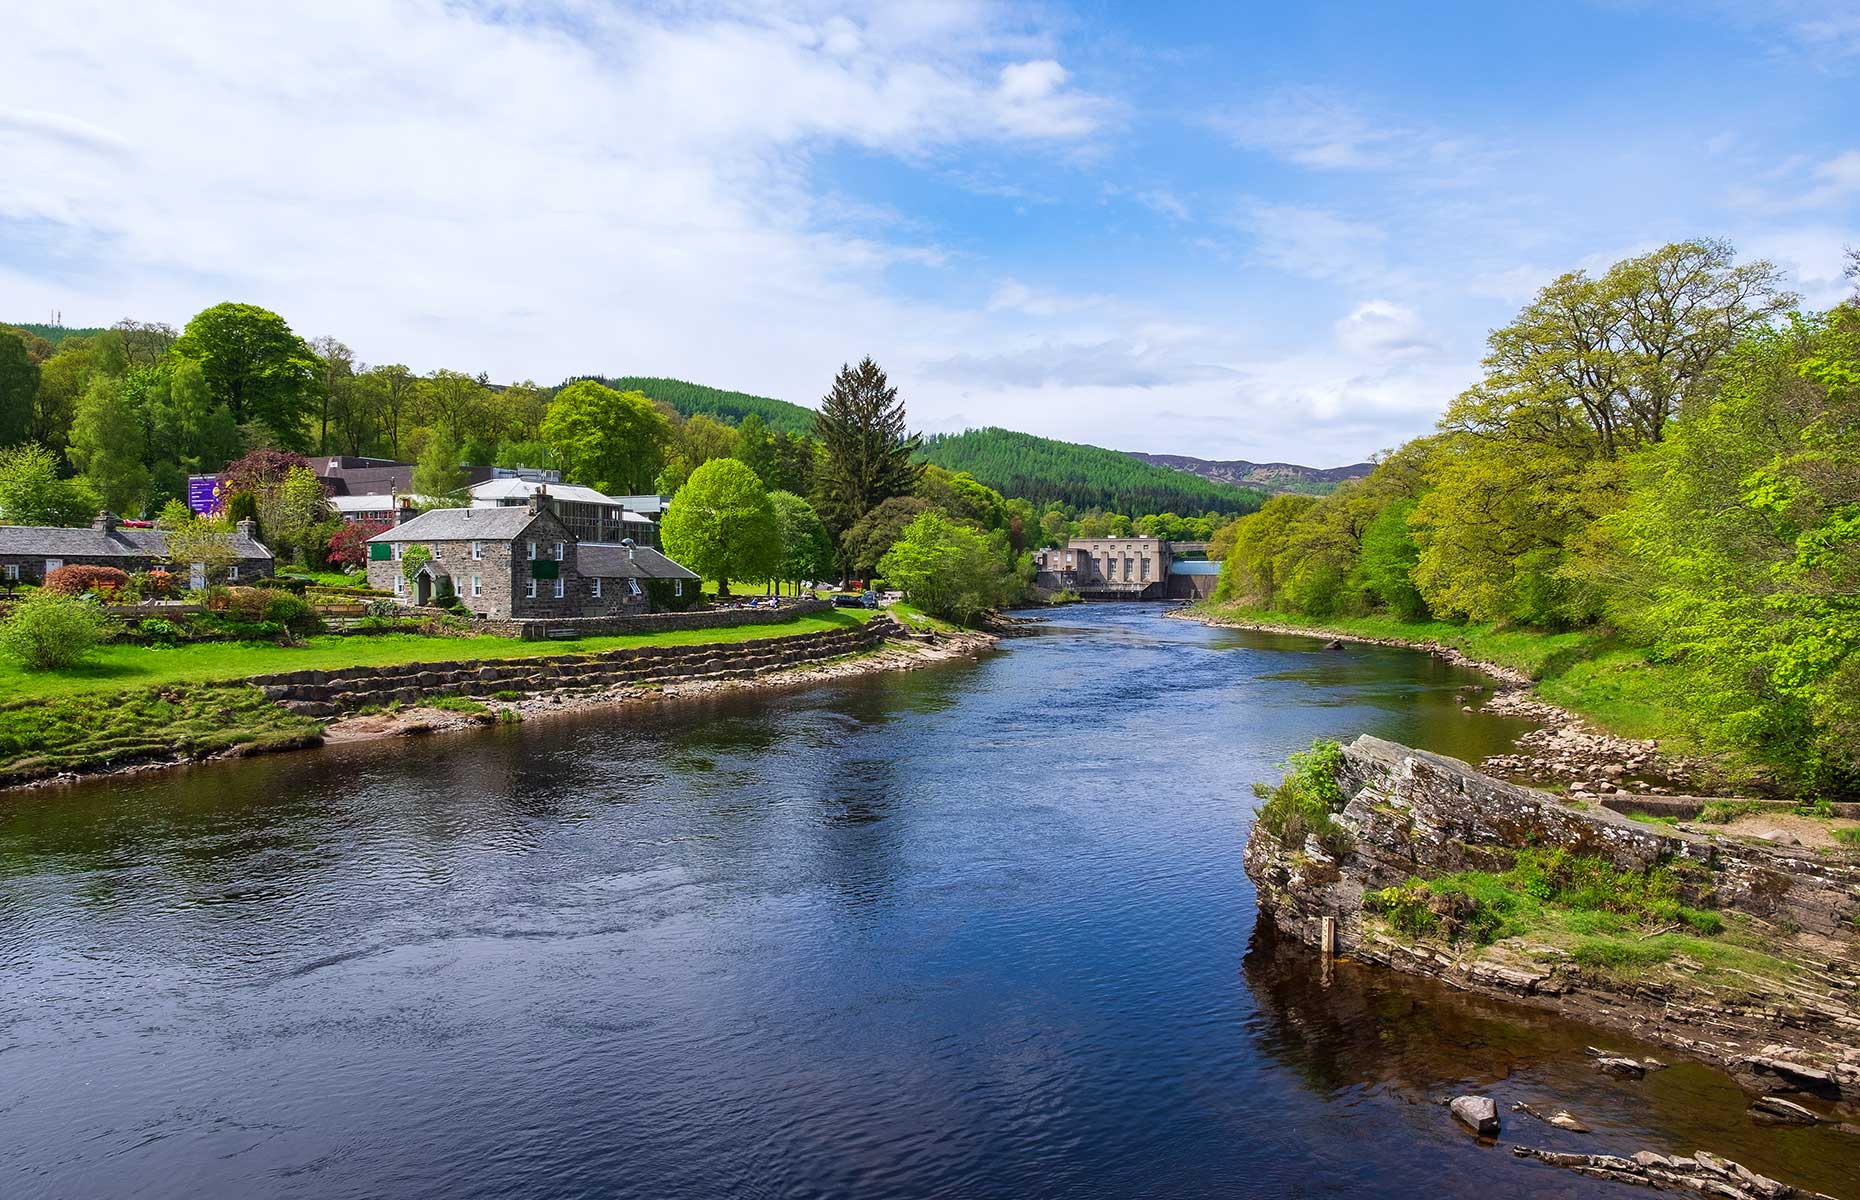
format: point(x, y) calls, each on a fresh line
point(116, 668)
point(1585, 671)
point(45, 735)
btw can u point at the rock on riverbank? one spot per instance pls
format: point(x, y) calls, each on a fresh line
point(1790, 1028)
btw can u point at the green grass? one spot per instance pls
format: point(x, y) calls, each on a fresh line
point(1847, 836)
point(1586, 671)
point(457, 704)
point(117, 667)
point(917, 618)
point(1647, 818)
point(324, 578)
point(75, 732)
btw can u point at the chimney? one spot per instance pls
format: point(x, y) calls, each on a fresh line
point(539, 498)
point(104, 521)
point(403, 513)
point(248, 528)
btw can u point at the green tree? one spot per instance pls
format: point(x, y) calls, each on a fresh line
point(438, 480)
point(868, 448)
point(19, 386)
point(191, 538)
point(257, 367)
point(755, 449)
point(873, 534)
point(107, 445)
point(613, 441)
point(201, 432)
point(946, 568)
point(1388, 559)
point(32, 493)
point(806, 549)
point(722, 525)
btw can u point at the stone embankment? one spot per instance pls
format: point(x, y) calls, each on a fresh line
point(1791, 1029)
point(346, 690)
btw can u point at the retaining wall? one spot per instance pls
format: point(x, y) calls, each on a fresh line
point(331, 693)
point(536, 630)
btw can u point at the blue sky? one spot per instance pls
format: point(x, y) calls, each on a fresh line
point(1240, 231)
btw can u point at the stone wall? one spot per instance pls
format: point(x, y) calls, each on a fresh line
point(701, 618)
point(331, 693)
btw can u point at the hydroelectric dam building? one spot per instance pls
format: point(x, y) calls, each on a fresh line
point(1128, 568)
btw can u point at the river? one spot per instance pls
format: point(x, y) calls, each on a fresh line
point(975, 930)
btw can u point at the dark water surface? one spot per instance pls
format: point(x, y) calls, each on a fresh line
point(978, 930)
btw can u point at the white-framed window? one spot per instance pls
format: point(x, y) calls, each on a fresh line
point(632, 585)
point(232, 573)
point(477, 586)
point(477, 551)
point(397, 550)
point(458, 586)
point(561, 550)
point(400, 584)
point(561, 587)
point(434, 548)
point(597, 587)
point(678, 587)
point(12, 570)
point(532, 551)
point(529, 589)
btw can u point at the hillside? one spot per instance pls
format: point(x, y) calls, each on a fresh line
point(1041, 470)
point(730, 407)
point(1271, 477)
point(51, 333)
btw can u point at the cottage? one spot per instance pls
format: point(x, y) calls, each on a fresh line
point(511, 561)
point(29, 552)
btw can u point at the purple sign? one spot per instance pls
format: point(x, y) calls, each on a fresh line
point(203, 493)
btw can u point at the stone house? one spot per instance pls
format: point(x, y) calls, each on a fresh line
point(1128, 568)
point(514, 562)
point(29, 552)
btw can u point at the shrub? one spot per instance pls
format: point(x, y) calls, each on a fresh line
point(48, 632)
point(293, 613)
point(450, 602)
point(155, 584)
point(159, 631)
point(77, 579)
point(1305, 799)
point(383, 608)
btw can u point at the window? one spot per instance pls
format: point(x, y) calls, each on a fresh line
point(529, 589)
point(477, 551)
point(477, 586)
point(561, 587)
point(458, 586)
point(433, 548)
point(232, 573)
point(632, 585)
point(397, 550)
point(1143, 568)
point(597, 587)
point(12, 570)
point(560, 551)
point(532, 551)
point(400, 585)
point(678, 587)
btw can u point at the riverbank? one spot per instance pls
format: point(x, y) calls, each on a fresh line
point(64, 737)
point(1741, 952)
point(1609, 722)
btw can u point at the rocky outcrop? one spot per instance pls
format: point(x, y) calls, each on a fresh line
point(1704, 1173)
point(1794, 1032)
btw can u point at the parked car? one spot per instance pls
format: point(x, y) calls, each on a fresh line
point(855, 599)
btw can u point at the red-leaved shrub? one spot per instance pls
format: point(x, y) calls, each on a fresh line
point(77, 579)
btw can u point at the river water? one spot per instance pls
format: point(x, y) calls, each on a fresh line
point(976, 930)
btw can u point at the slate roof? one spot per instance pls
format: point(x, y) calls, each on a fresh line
point(605, 560)
point(462, 525)
point(84, 541)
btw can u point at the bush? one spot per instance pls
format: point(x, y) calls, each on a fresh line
point(1305, 800)
point(153, 585)
point(159, 632)
point(383, 608)
point(293, 613)
point(77, 579)
point(48, 632)
point(450, 602)
point(281, 583)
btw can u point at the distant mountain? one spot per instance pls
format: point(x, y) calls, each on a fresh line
point(1042, 469)
point(1272, 477)
point(729, 407)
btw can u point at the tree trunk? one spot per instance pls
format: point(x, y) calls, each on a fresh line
point(723, 587)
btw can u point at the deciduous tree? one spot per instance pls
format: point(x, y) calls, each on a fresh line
point(722, 525)
point(256, 366)
point(614, 441)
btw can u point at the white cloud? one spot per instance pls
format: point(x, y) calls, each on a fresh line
point(1165, 202)
point(1312, 242)
point(1382, 329)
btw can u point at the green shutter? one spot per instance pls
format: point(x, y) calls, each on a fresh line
point(380, 552)
point(545, 568)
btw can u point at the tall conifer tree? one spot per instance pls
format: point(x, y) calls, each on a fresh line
point(867, 449)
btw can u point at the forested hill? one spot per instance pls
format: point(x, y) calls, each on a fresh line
point(1043, 470)
point(51, 333)
point(730, 407)
point(1273, 477)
